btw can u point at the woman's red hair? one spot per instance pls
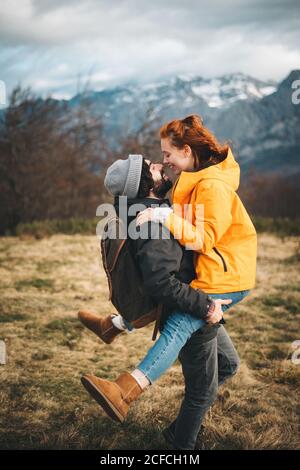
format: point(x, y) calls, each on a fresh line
point(190, 131)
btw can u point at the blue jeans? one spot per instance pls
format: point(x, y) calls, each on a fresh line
point(177, 330)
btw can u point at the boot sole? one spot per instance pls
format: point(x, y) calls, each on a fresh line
point(102, 400)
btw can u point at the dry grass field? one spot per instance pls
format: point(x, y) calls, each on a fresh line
point(42, 403)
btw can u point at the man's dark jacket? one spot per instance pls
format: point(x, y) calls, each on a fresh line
point(167, 268)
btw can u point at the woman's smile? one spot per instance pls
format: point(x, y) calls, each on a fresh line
point(173, 168)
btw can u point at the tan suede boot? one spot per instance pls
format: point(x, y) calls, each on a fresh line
point(102, 327)
point(113, 397)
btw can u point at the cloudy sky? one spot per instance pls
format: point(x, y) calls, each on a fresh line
point(55, 46)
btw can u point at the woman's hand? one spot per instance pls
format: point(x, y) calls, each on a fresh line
point(157, 214)
point(216, 314)
point(144, 216)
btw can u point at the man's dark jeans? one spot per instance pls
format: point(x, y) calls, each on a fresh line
point(205, 367)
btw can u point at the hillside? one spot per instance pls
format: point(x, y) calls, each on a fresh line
point(43, 405)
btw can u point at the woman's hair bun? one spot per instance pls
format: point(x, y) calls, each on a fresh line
point(194, 120)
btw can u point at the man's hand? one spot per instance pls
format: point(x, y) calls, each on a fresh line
point(215, 315)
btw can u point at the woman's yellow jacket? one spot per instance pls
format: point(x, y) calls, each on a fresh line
point(216, 226)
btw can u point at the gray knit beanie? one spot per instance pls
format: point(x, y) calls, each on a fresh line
point(123, 176)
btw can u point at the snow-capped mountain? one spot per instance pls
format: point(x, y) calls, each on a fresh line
point(257, 117)
point(223, 91)
point(216, 92)
point(265, 133)
point(124, 108)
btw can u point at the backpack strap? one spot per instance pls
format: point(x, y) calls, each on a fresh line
point(157, 323)
point(109, 263)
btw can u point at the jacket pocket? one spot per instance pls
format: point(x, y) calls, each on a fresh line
point(223, 260)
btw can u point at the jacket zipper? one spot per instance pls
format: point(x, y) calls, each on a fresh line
point(223, 260)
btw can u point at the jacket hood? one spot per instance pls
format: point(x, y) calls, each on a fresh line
point(227, 171)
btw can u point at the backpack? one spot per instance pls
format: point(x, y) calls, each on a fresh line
point(126, 287)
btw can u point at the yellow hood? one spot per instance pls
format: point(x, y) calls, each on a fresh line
point(227, 171)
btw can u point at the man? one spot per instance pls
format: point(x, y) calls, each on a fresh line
point(167, 269)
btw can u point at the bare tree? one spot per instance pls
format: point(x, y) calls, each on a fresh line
point(274, 195)
point(50, 160)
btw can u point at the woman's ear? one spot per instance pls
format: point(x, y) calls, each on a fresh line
point(187, 151)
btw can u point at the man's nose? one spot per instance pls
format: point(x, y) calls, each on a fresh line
point(159, 166)
point(165, 160)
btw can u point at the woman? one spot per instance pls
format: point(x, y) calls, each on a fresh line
point(222, 235)
point(223, 239)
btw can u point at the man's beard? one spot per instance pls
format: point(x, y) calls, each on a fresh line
point(161, 187)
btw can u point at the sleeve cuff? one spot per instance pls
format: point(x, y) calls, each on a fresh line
point(160, 214)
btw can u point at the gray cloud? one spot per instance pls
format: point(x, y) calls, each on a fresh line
point(48, 44)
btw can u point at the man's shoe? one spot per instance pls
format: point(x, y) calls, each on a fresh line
point(102, 327)
point(113, 397)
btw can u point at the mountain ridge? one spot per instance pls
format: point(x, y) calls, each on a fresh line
point(256, 116)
